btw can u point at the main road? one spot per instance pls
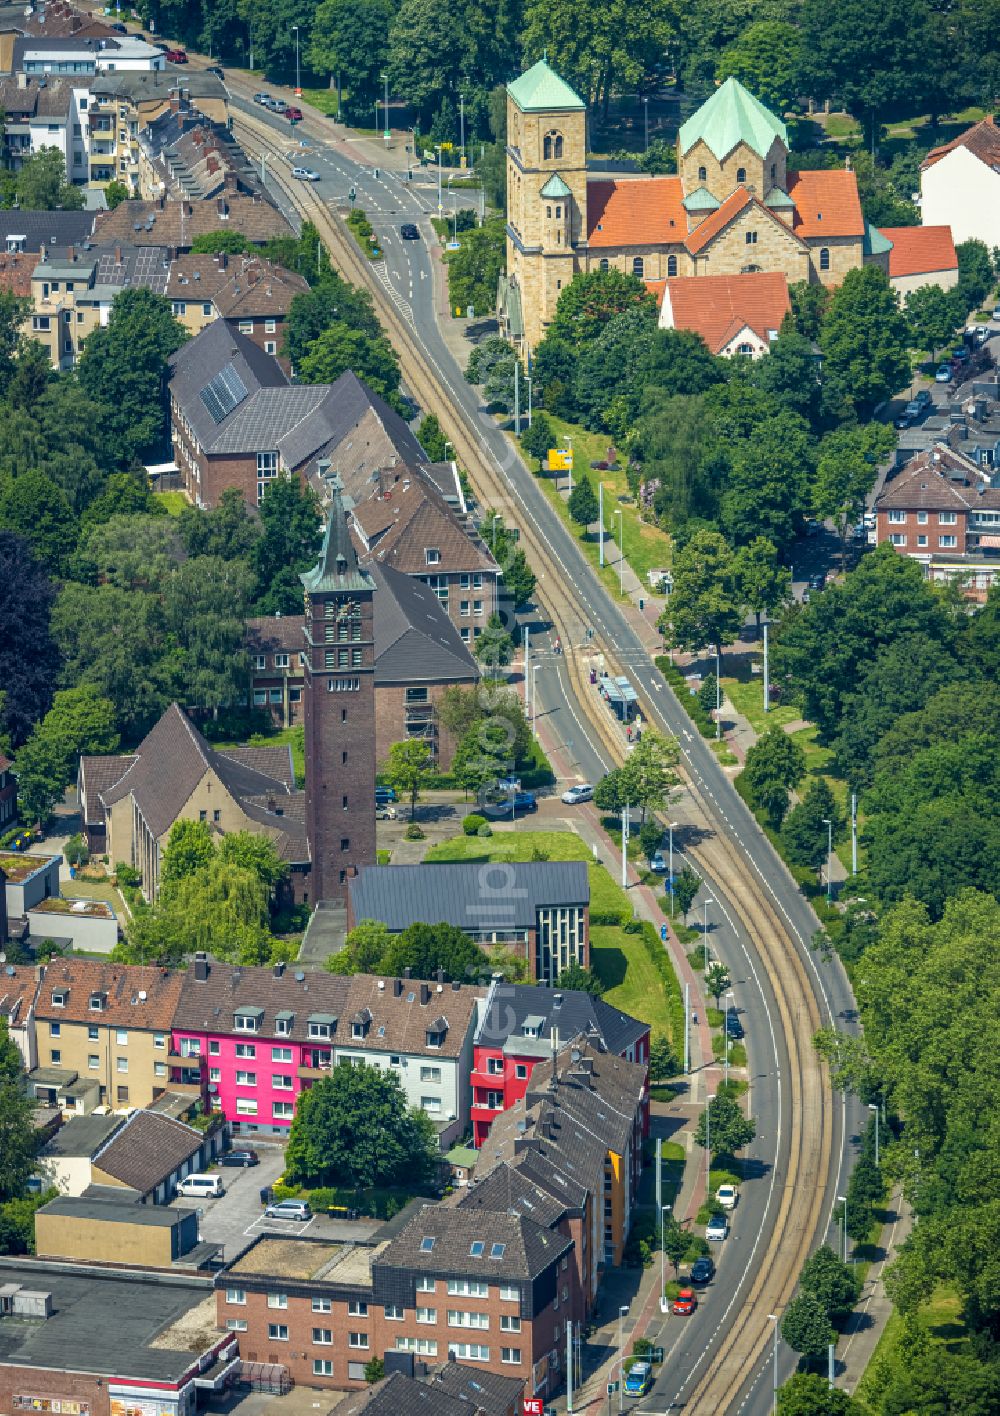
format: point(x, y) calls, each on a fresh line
point(762, 927)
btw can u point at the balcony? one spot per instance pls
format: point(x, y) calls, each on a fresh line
point(490, 1080)
point(183, 1059)
point(492, 1102)
point(185, 1088)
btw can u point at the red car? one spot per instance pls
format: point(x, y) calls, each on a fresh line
point(175, 56)
point(685, 1302)
point(294, 115)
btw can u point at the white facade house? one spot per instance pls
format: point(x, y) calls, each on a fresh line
point(960, 185)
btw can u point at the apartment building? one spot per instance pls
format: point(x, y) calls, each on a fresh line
point(177, 223)
point(43, 112)
point(72, 295)
point(109, 1024)
point(539, 910)
point(252, 295)
point(519, 1025)
point(409, 527)
point(258, 1037)
point(18, 989)
point(183, 154)
point(475, 1287)
point(122, 105)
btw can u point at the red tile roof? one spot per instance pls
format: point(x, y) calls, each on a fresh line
point(15, 272)
point(656, 287)
point(920, 250)
point(826, 203)
point(715, 223)
point(982, 140)
point(635, 212)
point(718, 307)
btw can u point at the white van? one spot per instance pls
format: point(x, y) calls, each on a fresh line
point(201, 1186)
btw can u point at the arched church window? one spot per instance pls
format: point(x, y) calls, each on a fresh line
point(603, 263)
point(552, 146)
point(671, 265)
point(638, 266)
point(824, 258)
point(741, 174)
point(702, 174)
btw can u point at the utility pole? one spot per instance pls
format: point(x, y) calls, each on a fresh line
point(773, 1317)
point(437, 149)
point(854, 833)
point(645, 114)
point(767, 678)
point(600, 519)
point(298, 75)
point(386, 133)
point(828, 823)
point(625, 837)
point(461, 123)
point(517, 398)
point(569, 1369)
point(687, 1028)
point(718, 694)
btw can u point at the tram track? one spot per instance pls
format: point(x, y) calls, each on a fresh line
point(723, 1370)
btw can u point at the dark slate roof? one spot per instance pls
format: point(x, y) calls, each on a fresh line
point(486, 1392)
point(510, 1191)
point(199, 360)
point(147, 1149)
point(415, 639)
point(352, 457)
point(171, 760)
point(401, 895)
point(527, 1249)
point(269, 634)
point(109, 1211)
point(82, 1135)
point(51, 230)
point(149, 85)
point(400, 1395)
point(133, 1309)
point(97, 775)
point(123, 265)
point(573, 1012)
point(337, 567)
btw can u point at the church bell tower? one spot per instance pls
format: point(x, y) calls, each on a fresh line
point(339, 710)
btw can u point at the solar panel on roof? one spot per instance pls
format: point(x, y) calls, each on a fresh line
point(223, 393)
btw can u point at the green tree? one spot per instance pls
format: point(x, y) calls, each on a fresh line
point(577, 979)
point(475, 268)
point(589, 302)
point(686, 886)
point(291, 535)
point(11, 1062)
point(425, 948)
point(975, 274)
point(766, 488)
point(432, 439)
point(599, 53)
point(717, 980)
point(41, 184)
point(190, 847)
point(124, 367)
point(676, 1242)
point(226, 530)
point(350, 41)
point(353, 1128)
point(409, 768)
point(133, 552)
point(806, 1327)
point(256, 854)
point(611, 792)
point(364, 949)
point(804, 830)
point(790, 371)
point(124, 494)
point(374, 1370)
point(933, 315)
point(582, 504)
point(775, 765)
point(727, 1130)
point(539, 438)
point(681, 458)
point(34, 507)
point(764, 583)
point(808, 1394)
point(830, 1282)
point(340, 348)
point(650, 771)
point(865, 339)
point(613, 370)
point(221, 908)
point(427, 55)
point(18, 1139)
point(493, 350)
point(80, 722)
point(494, 646)
point(331, 300)
point(662, 1059)
point(29, 660)
point(519, 578)
point(766, 60)
point(205, 606)
point(809, 306)
point(846, 469)
point(115, 193)
point(704, 605)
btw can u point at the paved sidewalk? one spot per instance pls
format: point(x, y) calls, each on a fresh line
point(867, 1322)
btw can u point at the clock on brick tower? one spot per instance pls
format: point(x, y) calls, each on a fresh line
point(339, 710)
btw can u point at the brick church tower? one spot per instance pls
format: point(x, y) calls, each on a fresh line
point(339, 711)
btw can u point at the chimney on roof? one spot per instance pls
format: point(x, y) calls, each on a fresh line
point(555, 1059)
point(425, 993)
point(22, 81)
point(455, 985)
point(440, 975)
point(397, 988)
point(201, 966)
point(229, 182)
point(175, 102)
point(557, 1000)
point(407, 972)
point(279, 969)
point(118, 255)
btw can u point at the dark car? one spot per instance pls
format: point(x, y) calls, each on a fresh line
point(525, 801)
point(733, 1026)
point(817, 581)
point(702, 1271)
point(214, 69)
point(119, 29)
point(409, 232)
point(383, 795)
point(243, 1158)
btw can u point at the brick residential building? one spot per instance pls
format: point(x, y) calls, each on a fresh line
point(418, 656)
point(186, 156)
point(455, 1390)
point(258, 1037)
point(943, 509)
point(251, 294)
point(517, 1026)
point(409, 527)
point(107, 1025)
point(538, 910)
point(176, 223)
point(121, 105)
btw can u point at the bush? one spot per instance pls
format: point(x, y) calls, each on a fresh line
point(126, 875)
point(363, 233)
point(689, 701)
point(75, 851)
point(473, 824)
point(485, 830)
point(282, 1191)
point(413, 832)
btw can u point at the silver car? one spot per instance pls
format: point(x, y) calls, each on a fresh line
point(717, 1229)
point(289, 1209)
point(305, 174)
point(583, 791)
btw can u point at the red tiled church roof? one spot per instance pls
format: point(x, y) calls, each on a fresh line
point(718, 307)
point(635, 212)
point(920, 250)
point(826, 203)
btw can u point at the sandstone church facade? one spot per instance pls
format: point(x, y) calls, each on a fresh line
point(732, 208)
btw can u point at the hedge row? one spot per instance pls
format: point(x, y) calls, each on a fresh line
point(661, 962)
point(689, 701)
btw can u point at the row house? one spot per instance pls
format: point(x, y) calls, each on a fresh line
point(73, 295)
point(538, 910)
point(123, 105)
point(419, 655)
point(178, 224)
point(943, 510)
point(184, 154)
point(254, 1038)
point(409, 527)
point(476, 1287)
point(252, 295)
point(519, 1025)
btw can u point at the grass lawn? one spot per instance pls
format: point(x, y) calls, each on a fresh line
point(646, 547)
point(173, 502)
point(842, 125)
point(630, 980)
point(324, 99)
point(942, 1321)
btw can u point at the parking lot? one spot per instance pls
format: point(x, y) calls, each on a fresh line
point(237, 1218)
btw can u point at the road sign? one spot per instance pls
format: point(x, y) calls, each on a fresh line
point(612, 1388)
point(534, 1406)
point(560, 459)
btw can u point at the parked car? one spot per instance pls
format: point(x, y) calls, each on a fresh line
point(702, 1271)
point(305, 174)
point(733, 1026)
point(262, 98)
point(583, 791)
point(201, 1187)
point(294, 115)
point(409, 232)
point(658, 863)
point(923, 398)
point(961, 353)
point(902, 422)
point(278, 105)
point(385, 813)
point(943, 374)
point(214, 69)
point(119, 29)
point(383, 795)
point(728, 1196)
point(914, 408)
point(524, 801)
point(244, 1158)
point(996, 312)
point(817, 581)
point(289, 1209)
point(717, 1229)
point(639, 1379)
point(685, 1302)
point(175, 56)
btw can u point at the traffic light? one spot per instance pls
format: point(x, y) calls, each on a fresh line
point(353, 195)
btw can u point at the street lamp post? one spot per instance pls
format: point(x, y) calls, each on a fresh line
point(729, 1004)
point(872, 1106)
point(645, 114)
point(448, 445)
point(461, 125)
point(386, 134)
point(670, 828)
point(718, 693)
point(664, 1209)
point(828, 823)
point(621, 553)
point(842, 1199)
point(534, 699)
point(298, 74)
point(437, 149)
point(773, 1317)
point(621, 1354)
point(704, 927)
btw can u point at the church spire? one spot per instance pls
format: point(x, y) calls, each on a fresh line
point(337, 568)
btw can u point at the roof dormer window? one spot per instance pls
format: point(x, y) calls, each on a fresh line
point(248, 1019)
point(432, 555)
point(97, 1002)
point(59, 997)
point(427, 1244)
